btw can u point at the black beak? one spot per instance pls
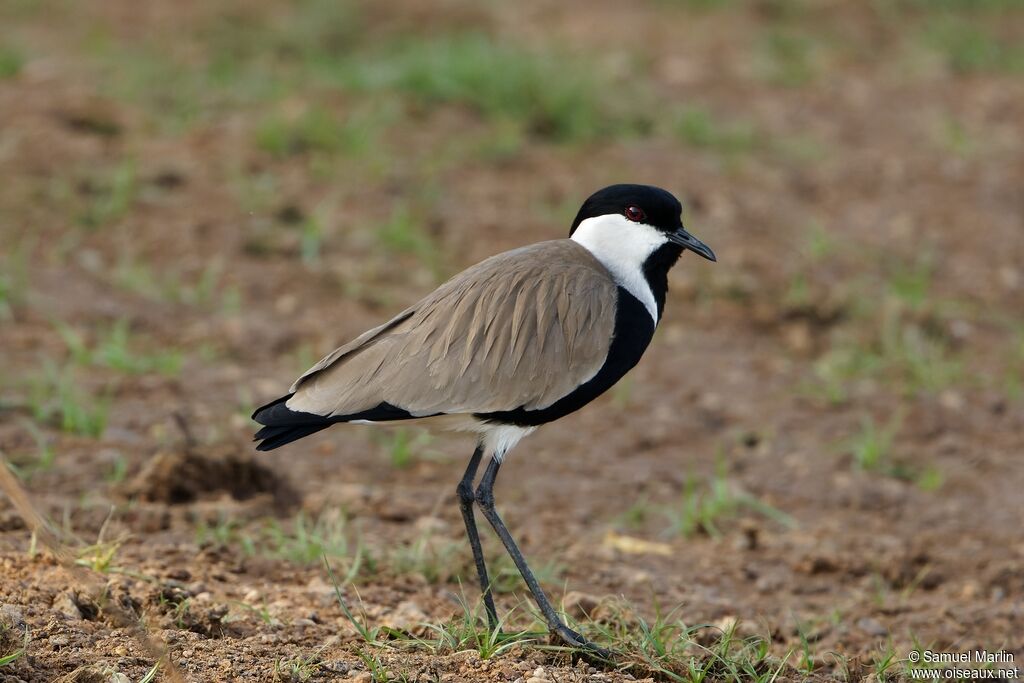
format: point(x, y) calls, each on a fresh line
point(688, 241)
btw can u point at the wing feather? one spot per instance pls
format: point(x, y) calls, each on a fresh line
point(519, 330)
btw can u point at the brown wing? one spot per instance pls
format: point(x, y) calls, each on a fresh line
point(521, 329)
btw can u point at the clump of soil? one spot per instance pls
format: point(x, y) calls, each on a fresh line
point(185, 476)
point(12, 630)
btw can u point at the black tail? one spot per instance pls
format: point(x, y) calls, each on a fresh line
point(282, 425)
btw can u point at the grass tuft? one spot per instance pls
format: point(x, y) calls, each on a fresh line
point(11, 62)
point(790, 58)
point(403, 233)
point(57, 398)
point(969, 48)
point(200, 289)
point(111, 349)
point(404, 446)
point(554, 98)
point(871, 450)
point(298, 669)
point(697, 127)
point(701, 511)
point(435, 560)
point(669, 649)
point(14, 275)
point(12, 647)
point(319, 130)
point(111, 196)
point(306, 541)
point(40, 460)
point(901, 353)
point(470, 631)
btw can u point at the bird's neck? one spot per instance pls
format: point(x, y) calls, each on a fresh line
point(656, 269)
point(625, 248)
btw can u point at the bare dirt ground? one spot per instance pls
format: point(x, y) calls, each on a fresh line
point(820, 453)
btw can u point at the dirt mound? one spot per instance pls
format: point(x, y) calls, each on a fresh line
point(191, 474)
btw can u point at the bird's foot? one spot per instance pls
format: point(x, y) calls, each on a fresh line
point(589, 650)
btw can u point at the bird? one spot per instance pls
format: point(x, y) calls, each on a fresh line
point(514, 342)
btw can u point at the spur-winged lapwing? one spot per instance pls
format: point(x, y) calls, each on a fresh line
point(512, 343)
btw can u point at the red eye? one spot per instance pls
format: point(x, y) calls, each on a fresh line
point(635, 214)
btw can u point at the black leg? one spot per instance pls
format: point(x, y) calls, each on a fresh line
point(466, 498)
point(485, 498)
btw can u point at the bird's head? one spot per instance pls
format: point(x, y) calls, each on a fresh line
point(638, 222)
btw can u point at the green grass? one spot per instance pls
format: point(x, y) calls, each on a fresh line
point(505, 577)
point(894, 337)
point(100, 556)
point(378, 671)
point(320, 130)
point(468, 631)
point(41, 459)
point(14, 278)
point(818, 243)
point(961, 6)
point(11, 62)
point(202, 289)
point(698, 127)
point(117, 471)
point(112, 348)
point(311, 240)
point(306, 541)
point(403, 445)
point(244, 62)
point(702, 510)
point(435, 560)
point(790, 57)
point(297, 669)
point(970, 48)
point(669, 649)
point(300, 540)
point(177, 94)
point(56, 397)
point(250, 62)
point(110, 194)
point(226, 531)
point(7, 658)
point(871, 450)
point(953, 136)
point(553, 96)
point(367, 631)
point(900, 354)
point(871, 447)
point(910, 283)
point(664, 647)
point(151, 674)
point(403, 233)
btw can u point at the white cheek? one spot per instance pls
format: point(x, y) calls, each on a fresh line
point(623, 247)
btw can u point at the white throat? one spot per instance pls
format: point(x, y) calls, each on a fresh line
point(623, 247)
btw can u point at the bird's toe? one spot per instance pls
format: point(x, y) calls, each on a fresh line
point(576, 640)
